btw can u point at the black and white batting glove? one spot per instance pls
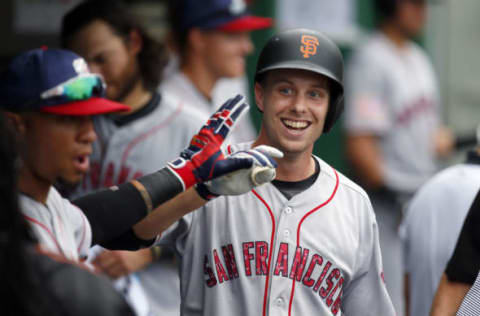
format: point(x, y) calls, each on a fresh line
point(243, 180)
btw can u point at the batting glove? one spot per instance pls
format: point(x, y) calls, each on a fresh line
point(244, 180)
point(204, 160)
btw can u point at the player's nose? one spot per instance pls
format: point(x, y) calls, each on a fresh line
point(87, 131)
point(247, 44)
point(299, 104)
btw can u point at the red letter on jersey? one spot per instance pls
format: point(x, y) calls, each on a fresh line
point(247, 257)
point(322, 276)
point(330, 297)
point(325, 290)
point(282, 260)
point(108, 180)
point(222, 275)
point(95, 175)
point(316, 259)
point(230, 262)
point(207, 270)
point(123, 176)
point(337, 304)
point(261, 253)
point(299, 263)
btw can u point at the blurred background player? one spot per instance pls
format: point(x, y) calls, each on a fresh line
point(393, 123)
point(431, 226)
point(211, 40)
point(154, 131)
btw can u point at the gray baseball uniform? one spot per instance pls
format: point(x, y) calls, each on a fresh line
point(392, 93)
point(263, 254)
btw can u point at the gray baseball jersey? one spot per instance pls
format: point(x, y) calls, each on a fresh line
point(60, 226)
point(142, 146)
point(431, 227)
point(261, 254)
point(178, 84)
point(393, 93)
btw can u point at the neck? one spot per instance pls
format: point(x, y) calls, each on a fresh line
point(293, 167)
point(33, 185)
point(395, 34)
point(137, 98)
point(201, 77)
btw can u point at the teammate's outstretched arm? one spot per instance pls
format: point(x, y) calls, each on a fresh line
point(235, 183)
point(203, 161)
point(448, 297)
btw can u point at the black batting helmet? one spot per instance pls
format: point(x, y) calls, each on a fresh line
point(307, 50)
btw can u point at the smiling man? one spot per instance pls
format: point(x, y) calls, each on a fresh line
point(305, 244)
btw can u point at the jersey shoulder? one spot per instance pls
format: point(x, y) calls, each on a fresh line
point(188, 111)
point(376, 51)
point(344, 183)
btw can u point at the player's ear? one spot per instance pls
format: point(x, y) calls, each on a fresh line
point(196, 40)
point(17, 122)
point(135, 42)
point(259, 96)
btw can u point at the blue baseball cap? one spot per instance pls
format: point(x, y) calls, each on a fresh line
point(55, 81)
point(223, 15)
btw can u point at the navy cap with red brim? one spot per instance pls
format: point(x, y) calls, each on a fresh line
point(92, 106)
point(246, 23)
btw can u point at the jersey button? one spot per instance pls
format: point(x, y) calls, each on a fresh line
point(288, 210)
point(286, 233)
point(279, 302)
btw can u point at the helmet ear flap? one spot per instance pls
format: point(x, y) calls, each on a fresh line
point(334, 111)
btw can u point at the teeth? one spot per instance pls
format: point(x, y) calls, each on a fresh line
point(295, 124)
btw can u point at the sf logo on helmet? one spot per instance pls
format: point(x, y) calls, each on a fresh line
point(309, 46)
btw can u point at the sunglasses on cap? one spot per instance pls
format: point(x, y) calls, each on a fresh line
point(79, 88)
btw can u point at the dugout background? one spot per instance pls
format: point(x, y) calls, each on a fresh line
point(452, 38)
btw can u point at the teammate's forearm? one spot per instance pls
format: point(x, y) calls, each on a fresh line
point(126, 204)
point(366, 159)
point(448, 298)
point(167, 214)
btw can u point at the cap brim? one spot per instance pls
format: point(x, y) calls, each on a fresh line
point(92, 106)
point(246, 23)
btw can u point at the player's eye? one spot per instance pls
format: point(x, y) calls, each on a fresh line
point(99, 59)
point(318, 94)
point(285, 90)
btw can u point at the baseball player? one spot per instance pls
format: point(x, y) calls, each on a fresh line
point(305, 244)
point(212, 40)
point(130, 145)
point(463, 267)
point(34, 283)
point(431, 227)
point(49, 95)
point(393, 123)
